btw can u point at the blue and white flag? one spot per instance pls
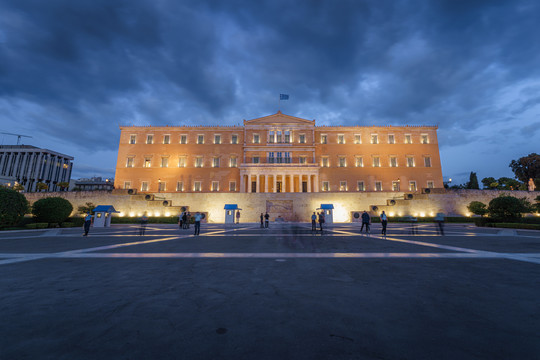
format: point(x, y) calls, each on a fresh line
point(283, 97)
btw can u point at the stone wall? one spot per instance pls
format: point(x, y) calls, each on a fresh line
point(450, 202)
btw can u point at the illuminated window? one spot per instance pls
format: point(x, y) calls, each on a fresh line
point(430, 184)
point(376, 161)
point(215, 185)
point(410, 161)
point(181, 162)
point(391, 139)
point(287, 157)
point(408, 139)
point(199, 162)
point(234, 139)
point(425, 139)
point(180, 186)
point(287, 137)
point(374, 139)
point(200, 139)
point(215, 162)
point(324, 139)
point(197, 186)
point(279, 157)
point(271, 158)
point(302, 138)
point(303, 160)
point(149, 139)
point(233, 161)
point(342, 161)
point(232, 185)
point(341, 139)
point(360, 186)
point(217, 139)
point(325, 186)
point(127, 184)
point(342, 186)
point(271, 137)
point(395, 185)
point(144, 186)
point(357, 139)
point(133, 139)
point(183, 139)
point(278, 137)
point(164, 162)
point(147, 162)
point(129, 162)
point(378, 186)
point(256, 160)
point(325, 162)
point(166, 139)
point(427, 161)
point(412, 185)
point(256, 139)
point(358, 161)
point(162, 186)
point(393, 161)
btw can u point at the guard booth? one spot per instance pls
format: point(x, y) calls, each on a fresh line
point(230, 213)
point(328, 213)
point(103, 214)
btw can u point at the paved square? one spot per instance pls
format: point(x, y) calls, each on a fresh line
point(242, 292)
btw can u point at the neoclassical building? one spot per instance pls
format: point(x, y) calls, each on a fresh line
point(278, 153)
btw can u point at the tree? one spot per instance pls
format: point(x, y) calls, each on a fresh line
point(63, 185)
point(52, 210)
point(13, 206)
point(490, 183)
point(478, 208)
point(526, 167)
point(88, 207)
point(42, 186)
point(537, 205)
point(473, 181)
point(508, 208)
point(506, 183)
point(18, 187)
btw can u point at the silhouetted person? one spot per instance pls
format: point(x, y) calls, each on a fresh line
point(439, 219)
point(262, 220)
point(384, 222)
point(143, 222)
point(365, 221)
point(237, 217)
point(266, 219)
point(321, 220)
point(314, 222)
point(87, 222)
point(198, 217)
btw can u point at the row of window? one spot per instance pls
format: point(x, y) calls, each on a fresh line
point(378, 186)
point(197, 186)
point(199, 163)
point(279, 137)
point(376, 161)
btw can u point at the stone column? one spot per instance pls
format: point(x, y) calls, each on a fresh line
point(275, 183)
point(291, 182)
point(257, 183)
point(265, 183)
point(242, 183)
point(249, 182)
point(309, 183)
point(315, 183)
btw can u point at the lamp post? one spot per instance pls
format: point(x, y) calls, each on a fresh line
point(159, 185)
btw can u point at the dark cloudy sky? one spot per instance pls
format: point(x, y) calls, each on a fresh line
point(72, 71)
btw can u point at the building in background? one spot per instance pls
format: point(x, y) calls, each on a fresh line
point(278, 153)
point(92, 184)
point(29, 165)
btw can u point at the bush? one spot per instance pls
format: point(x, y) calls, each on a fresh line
point(52, 210)
point(13, 206)
point(515, 226)
point(66, 224)
point(508, 208)
point(76, 221)
point(37, 226)
point(478, 208)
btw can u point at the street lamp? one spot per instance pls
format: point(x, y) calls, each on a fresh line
point(159, 185)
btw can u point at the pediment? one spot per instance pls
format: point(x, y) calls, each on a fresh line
point(279, 119)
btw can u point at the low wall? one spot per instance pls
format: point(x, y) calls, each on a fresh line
point(291, 206)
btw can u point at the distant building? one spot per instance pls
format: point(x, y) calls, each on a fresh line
point(95, 183)
point(29, 165)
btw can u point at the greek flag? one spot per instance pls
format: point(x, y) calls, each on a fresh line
point(283, 97)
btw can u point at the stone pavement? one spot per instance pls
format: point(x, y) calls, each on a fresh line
point(241, 292)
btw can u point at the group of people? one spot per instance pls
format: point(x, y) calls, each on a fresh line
point(266, 219)
point(366, 222)
point(317, 216)
point(184, 219)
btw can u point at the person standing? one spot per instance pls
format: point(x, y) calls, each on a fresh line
point(384, 222)
point(87, 222)
point(184, 220)
point(188, 219)
point(439, 219)
point(321, 220)
point(237, 216)
point(314, 222)
point(262, 220)
point(180, 217)
point(197, 223)
point(365, 221)
point(266, 220)
point(143, 221)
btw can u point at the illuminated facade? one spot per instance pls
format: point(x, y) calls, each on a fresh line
point(278, 153)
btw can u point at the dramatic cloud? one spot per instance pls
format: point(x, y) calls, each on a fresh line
point(72, 71)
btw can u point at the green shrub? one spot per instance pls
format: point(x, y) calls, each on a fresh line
point(37, 226)
point(52, 210)
point(515, 226)
point(508, 208)
point(75, 220)
point(151, 220)
point(13, 206)
point(478, 208)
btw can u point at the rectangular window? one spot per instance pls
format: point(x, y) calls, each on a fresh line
point(341, 139)
point(376, 161)
point(302, 138)
point(425, 139)
point(358, 161)
point(215, 162)
point(133, 139)
point(357, 139)
point(287, 157)
point(410, 161)
point(197, 186)
point(217, 139)
point(164, 162)
point(144, 186)
point(162, 186)
point(408, 139)
point(232, 185)
point(256, 139)
point(325, 186)
point(325, 162)
point(215, 185)
point(166, 139)
point(278, 137)
point(342, 161)
point(279, 158)
point(256, 160)
point(412, 185)
point(378, 186)
point(324, 139)
point(180, 186)
point(183, 139)
point(427, 161)
point(127, 184)
point(200, 139)
point(303, 160)
point(233, 162)
point(395, 185)
point(342, 186)
point(149, 139)
point(129, 162)
point(391, 139)
point(287, 137)
point(430, 184)
point(374, 139)
point(360, 186)
point(181, 162)
point(234, 139)
point(199, 162)
point(271, 157)
point(393, 161)
point(271, 137)
point(147, 162)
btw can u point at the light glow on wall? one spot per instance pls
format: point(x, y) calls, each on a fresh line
point(167, 213)
point(132, 214)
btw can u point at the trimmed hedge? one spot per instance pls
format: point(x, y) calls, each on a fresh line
point(523, 221)
point(37, 226)
point(13, 206)
point(151, 220)
point(52, 210)
point(515, 226)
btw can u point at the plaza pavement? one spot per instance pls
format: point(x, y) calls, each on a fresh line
point(242, 292)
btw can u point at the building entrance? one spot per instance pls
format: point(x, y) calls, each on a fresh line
point(253, 186)
point(304, 186)
point(278, 186)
